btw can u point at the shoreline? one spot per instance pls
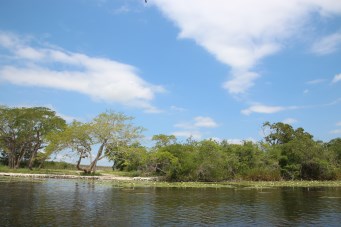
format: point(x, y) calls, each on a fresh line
point(67, 176)
point(128, 182)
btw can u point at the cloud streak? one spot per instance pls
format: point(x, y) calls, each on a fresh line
point(327, 44)
point(100, 78)
point(264, 109)
point(241, 33)
point(193, 127)
point(336, 78)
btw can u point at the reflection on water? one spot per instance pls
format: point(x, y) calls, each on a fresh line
point(86, 203)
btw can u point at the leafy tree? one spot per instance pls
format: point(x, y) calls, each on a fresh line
point(278, 133)
point(108, 131)
point(335, 147)
point(23, 132)
point(163, 140)
point(128, 158)
point(164, 163)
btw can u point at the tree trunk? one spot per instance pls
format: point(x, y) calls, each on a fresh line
point(34, 151)
point(11, 161)
point(20, 157)
point(92, 167)
point(79, 163)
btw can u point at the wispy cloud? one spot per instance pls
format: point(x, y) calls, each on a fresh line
point(267, 109)
point(240, 141)
point(100, 78)
point(241, 33)
point(264, 109)
point(290, 121)
point(327, 44)
point(177, 109)
point(336, 131)
point(188, 133)
point(193, 127)
point(317, 81)
point(198, 122)
point(204, 122)
point(337, 78)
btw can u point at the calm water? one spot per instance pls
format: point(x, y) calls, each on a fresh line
point(84, 203)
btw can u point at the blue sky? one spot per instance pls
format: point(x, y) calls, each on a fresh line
point(210, 69)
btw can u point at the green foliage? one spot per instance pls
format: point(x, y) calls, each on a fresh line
point(24, 132)
point(163, 140)
point(28, 136)
point(129, 158)
point(110, 131)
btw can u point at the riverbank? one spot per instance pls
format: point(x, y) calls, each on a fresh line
point(128, 182)
point(66, 176)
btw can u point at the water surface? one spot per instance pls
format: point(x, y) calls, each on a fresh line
point(60, 202)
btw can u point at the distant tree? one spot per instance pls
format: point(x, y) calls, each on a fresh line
point(278, 133)
point(163, 140)
point(128, 158)
point(108, 131)
point(23, 132)
point(335, 146)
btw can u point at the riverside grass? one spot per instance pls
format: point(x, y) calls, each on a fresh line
point(125, 180)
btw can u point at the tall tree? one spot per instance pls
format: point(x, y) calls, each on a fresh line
point(108, 132)
point(23, 132)
point(163, 140)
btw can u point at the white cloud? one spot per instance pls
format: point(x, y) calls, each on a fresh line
point(327, 44)
point(338, 123)
point(188, 133)
point(336, 131)
point(290, 121)
point(240, 141)
point(241, 82)
point(198, 122)
point(205, 122)
point(317, 81)
point(192, 128)
point(337, 78)
point(100, 78)
point(177, 109)
point(241, 33)
point(263, 109)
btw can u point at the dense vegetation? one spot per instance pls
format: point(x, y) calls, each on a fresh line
point(30, 135)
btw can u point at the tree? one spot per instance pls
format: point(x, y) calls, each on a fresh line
point(23, 132)
point(163, 140)
point(128, 158)
point(108, 131)
point(278, 133)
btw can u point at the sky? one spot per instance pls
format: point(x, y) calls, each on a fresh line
point(207, 69)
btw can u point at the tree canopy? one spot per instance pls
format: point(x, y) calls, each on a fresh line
point(24, 132)
point(31, 135)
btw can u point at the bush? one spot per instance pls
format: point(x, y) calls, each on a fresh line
point(318, 170)
point(262, 174)
point(57, 165)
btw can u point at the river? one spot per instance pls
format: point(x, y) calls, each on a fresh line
point(56, 202)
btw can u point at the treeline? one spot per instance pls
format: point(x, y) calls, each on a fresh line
point(285, 154)
point(31, 135)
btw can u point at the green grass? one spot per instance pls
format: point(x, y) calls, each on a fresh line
point(5, 169)
point(164, 184)
point(234, 185)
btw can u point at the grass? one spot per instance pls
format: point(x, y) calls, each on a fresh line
point(164, 184)
point(5, 169)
